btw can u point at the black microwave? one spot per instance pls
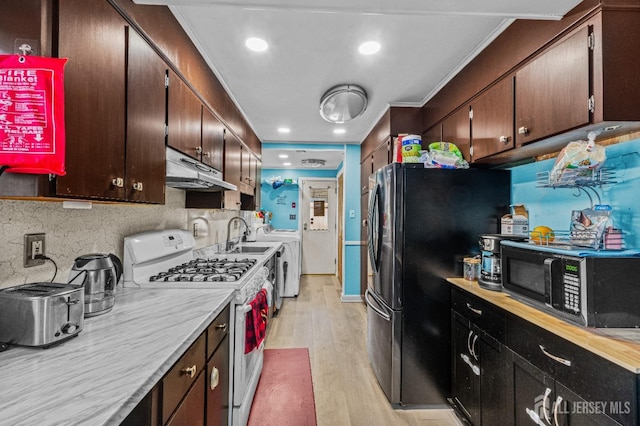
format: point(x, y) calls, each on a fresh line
point(589, 288)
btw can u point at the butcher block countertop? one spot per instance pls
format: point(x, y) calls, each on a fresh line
point(620, 346)
point(98, 377)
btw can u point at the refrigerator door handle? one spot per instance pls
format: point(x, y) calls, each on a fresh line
point(374, 222)
point(368, 297)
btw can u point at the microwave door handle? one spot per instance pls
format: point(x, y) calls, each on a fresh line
point(553, 293)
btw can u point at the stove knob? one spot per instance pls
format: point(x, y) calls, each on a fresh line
point(69, 328)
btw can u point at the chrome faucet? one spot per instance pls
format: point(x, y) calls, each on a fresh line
point(229, 244)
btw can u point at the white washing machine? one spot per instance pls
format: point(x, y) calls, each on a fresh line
point(291, 264)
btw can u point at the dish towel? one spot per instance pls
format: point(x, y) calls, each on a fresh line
point(256, 321)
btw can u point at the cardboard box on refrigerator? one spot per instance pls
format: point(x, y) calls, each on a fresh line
point(517, 222)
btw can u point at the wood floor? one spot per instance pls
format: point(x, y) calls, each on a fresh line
point(346, 391)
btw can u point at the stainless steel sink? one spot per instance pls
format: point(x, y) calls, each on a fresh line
point(250, 249)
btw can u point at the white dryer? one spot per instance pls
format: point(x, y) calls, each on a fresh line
point(291, 264)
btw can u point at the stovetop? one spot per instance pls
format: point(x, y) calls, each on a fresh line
point(206, 270)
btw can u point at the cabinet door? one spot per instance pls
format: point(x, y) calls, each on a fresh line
point(433, 134)
point(572, 410)
point(184, 118)
point(457, 129)
point(533, 394)
point(92, 35)
point(496, 382)
point(212, 140)
point(146, 110)
point(552, 91)
point(191, 411)
point(380, 156)
point(492, 121)
point(466, 369)
point(217, 386)
point(232, 159)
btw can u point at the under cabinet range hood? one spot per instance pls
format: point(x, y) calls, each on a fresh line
point(184, 172)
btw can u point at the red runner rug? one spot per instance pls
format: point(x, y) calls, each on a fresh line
point(285, 392)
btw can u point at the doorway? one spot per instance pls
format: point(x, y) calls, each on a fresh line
point(319, 231)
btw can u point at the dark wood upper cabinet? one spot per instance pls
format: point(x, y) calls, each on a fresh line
point(232, 159)
point(381, 156)
point(492, 120)
point(457, 129)
point(212, 140)
point(146, 110)
point(184, 117)
point(552, 91)
point(92, 35)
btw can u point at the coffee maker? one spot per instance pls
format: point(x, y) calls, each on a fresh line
point(99, 275)
point(490, 264)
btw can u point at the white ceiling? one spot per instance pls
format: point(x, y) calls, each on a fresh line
point(313, 46)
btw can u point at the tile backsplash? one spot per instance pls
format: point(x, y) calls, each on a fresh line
point(101, 229)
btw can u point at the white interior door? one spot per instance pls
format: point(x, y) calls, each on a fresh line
point(319, 232)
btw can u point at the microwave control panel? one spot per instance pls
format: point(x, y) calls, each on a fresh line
point(571, 285)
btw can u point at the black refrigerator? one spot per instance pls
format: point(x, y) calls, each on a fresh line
point(421, 223)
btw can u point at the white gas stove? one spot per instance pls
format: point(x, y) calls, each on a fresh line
point(167, 259)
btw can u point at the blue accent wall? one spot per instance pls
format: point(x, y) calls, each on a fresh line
point(279, 202)
point(552, 206)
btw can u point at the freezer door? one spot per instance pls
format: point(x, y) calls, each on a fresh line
point(383, 345)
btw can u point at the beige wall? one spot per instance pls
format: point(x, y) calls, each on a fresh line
point(72, 232)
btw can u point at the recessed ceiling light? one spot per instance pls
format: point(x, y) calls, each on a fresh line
point(286, 164)
point(284, 129)
point(339, 131)
point(283, 156)
point(369, 47)
point(256, 44)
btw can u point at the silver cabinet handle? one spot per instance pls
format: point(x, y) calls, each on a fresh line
point(222, 327)
point(504, 139)
point(474, 310)
point(214, 379)
point(365, 223)
point(473, 347)
point(469, 342)
point(555, 410)
point(523, 130)
point(119, 182)
point(547, 392)
point(137, 186)
point(554, 357)
point(198, 150)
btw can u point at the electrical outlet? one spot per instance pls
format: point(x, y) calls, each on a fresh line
point(33, 246)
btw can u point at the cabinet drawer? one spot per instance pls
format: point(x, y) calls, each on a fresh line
point(483, 314)
point(588, 375)
point(181, 376)
point(217, 331)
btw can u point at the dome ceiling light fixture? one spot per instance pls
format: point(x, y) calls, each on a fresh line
point(343, 103)
point(313, 162)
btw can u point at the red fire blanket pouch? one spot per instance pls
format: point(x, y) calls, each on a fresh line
point(32, 138)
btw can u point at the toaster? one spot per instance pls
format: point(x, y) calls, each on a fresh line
point(40, 314)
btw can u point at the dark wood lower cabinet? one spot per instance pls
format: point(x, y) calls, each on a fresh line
point(507, 370)
point(217, 387)
point(192, 393)
point(189, 412)
point(482, 376)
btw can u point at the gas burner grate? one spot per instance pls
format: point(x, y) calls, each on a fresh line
point(199, 270)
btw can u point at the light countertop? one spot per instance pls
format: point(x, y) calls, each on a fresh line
point(99, 376)
point(620, 346)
